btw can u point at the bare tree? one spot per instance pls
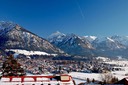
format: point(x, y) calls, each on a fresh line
point(107, 78)
point(93, 80)
point(88, 80)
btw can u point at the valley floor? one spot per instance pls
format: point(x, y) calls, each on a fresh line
point(117, 68)
point(80, 77)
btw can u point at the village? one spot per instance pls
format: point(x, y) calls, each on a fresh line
point(46, 65)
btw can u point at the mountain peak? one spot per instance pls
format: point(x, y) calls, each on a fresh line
point(56, 34)
point(7, 24)
point(90, 38)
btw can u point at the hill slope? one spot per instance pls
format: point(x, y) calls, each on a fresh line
point(13, 36)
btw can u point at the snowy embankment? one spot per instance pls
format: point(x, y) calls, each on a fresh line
point(25, 52)
point(81, 77)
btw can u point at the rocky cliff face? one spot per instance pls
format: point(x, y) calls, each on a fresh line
point(13, 36)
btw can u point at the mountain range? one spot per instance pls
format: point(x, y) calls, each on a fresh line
point(13, 36)
point(90, 45)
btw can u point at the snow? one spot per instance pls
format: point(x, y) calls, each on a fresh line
point(81, 77)
point(84, 76)
point(121, 39)
point(103, 58)
point(102, 39)
point(6, 26)
point(79, 44)
point(57, 33)
point(4, 79)
point(56, 37)
point(110, 39)
point(46, 81)
point(16, 79)
point(28, 79)
point(78, 81)
point(93, 37)
point(25, 52)
point(117, 62)
point(90, 38)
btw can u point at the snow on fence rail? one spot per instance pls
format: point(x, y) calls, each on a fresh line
point(37, 80)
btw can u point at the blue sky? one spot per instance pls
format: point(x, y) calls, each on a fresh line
point(82, 17)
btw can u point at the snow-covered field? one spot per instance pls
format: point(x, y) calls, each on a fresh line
point(118, 62)
point(25, 52)
point(81, 77)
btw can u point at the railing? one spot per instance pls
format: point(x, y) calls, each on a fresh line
point(38, 80)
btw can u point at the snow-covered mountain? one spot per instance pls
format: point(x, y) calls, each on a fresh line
point(121, 39)
point(107, 43)
point(90, 38)
point(71, 43)
point(56, 37)
point(77, 45)
point(13, 36)
point(6, 26)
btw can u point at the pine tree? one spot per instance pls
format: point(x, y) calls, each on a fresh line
point(12, 68)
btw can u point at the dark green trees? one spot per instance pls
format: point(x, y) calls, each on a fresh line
point(12, 68)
